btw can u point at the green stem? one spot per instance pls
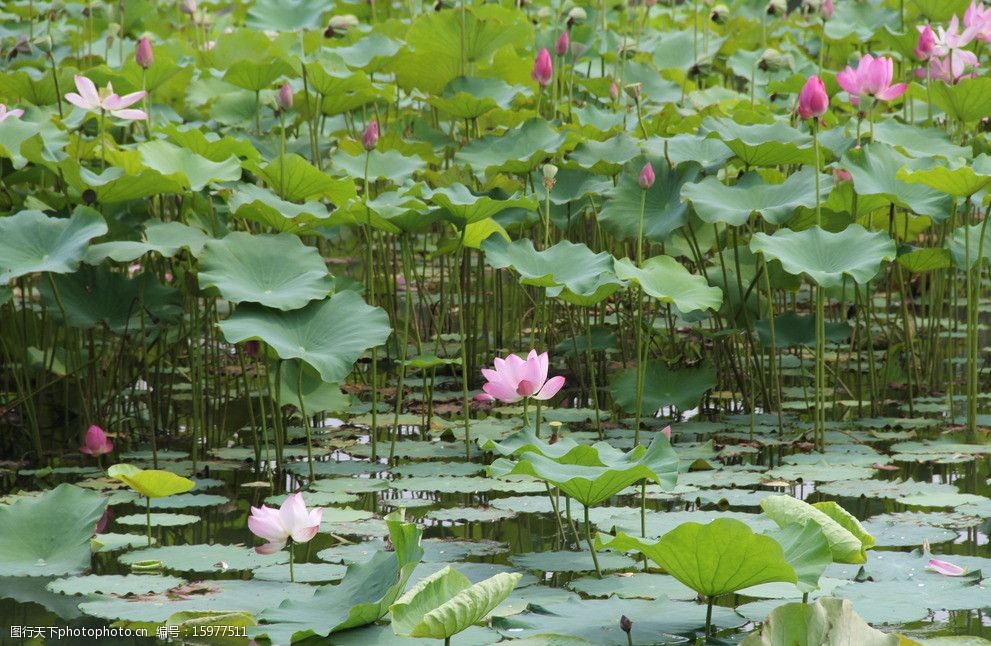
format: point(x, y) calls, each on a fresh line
point(306, 425)
point(464, 346)
point(148, 518)
point(591, 545)
point(292, 573)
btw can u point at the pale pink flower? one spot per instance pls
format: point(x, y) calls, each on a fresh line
point(290, 521)
point(543, 68)
point(106, 100)
point(6, 114)
point(950, 38)
point(514, 378)
point(872, 78)
point(812, 100)
point(96, 442)
point(945, 568)
point(958, 65)
point(978, 18)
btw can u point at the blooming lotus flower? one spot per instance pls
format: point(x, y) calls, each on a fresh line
point(925, 46)
point(950, 38)
point(6, 114)
point(290, 521)
point(143, 55)
point(514, 379)
point(978, 18)
point(370, 137)
point(562, 44)
point(945, 568)
point(813, 100)
point(872, 78)
point(647, 177)
point(284, 98)
point(543, 68)
point(96, 442)
point(960, 64)
point(105, 100)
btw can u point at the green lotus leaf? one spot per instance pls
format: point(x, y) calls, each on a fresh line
point(115, 185)
point(151, 483)
point(462, 207)
point(663, 387)
point(253, 268)
point(13, 134)
point(192, 171)
point(30, 242)
point(370, 53)
point(806, 550)
point(969, 245)
point(715, 202)
point(922, 259)
point(875, 169)
point(164, 238)
point(827, 622)
point(668, 281)
point(518, 150)
point(296, 180)
point(256, 75)
point(49, 535)
point(712, 154)
point(469, 98)
point(760, 144)
point(446, 603)
point(118, 584)
point(846, 520)
point(968, 100)
point(860, 21)
point(329, 335)
point(526, 440)
point(390, 165)
point(916, 141)
point(720, 557)
point(569, 271)
point(262, 205)
point(956, 180)
point(845, 546)
point(362, 597)
point(210, 144)
point(284, 15)
point(827, 257)
point(591, 484)
point(605, 157)
point(664, 211)
point(792, 329)
point(318, 395)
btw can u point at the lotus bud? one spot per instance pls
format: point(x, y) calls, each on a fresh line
point(188, 7)
point(613, 91)
point(772, 60)
point(647, 177)
point(777, 7)
point(284, 98)
point(562, 44)
point(143, 55)
point(625, 624)
point(341, 24)
point(577, 16)
point(719, 14)
point(550, 171)
point(812, 100)
point(370, 137)
point(543, 68)
point(926, 44)
point(826, 9)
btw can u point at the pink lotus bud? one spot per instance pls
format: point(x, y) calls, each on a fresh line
point(543, 68)
point(666, 432)
point(926, 44)
point(143, 55)
point(842, 174)
point(188, 6)
point(96, 442)
point(371, 135)
point(812, 100)
point(562, 44)
point(613, 91)
point(826, 9)
point(285, 96)
point(647, 176)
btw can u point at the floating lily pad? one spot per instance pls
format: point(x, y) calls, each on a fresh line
point(115, 584)
point(205, 558)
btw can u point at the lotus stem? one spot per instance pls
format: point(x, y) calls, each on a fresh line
point(591, 544)
point(708, 616)
point(292, 573)
point(148, 519)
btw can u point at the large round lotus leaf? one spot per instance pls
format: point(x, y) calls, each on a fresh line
point(883, 488)
point(303, 572)
point(383, 636)
point(826, 258)
point(605, 157)
point(253, 268)
point(860, 20)
point(32, 589)
point(464, 484)
point(165, 238)
point(819, 472)
point(264, 206)
point(470, 514)
point(205, 558)
point(968, 100)
point(634, 586)
point(715, 202)
point(906, 534)
point(569, 271)
point(191, 171)
point(116, 584)
point(30, 242)
point(426, 469)
point(827, 622)
point(445, 603)
point(597, 621)
point(49, 535)
point(792, 329)
point(189, 500)
point(848, 540)
point(668, 281)
point(915, 599)
point(968, 247)
point(519, 150)
point(284, 15)
point(714, 559)
point(664, 211)
point(875, 171)
point(112, 542)
point(468, 97)
point(564, 561)
point(462, 207)
point(762, 144)
point(958, 180)
point(806, 550)
point(159, 520)
point(663, 387)
point(152, 483)
point(329, 335)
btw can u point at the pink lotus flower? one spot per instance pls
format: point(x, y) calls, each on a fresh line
point(925, 46)
point(96, 442)
point(812, 100)
point(945, 568)
point(842, 174)
point(826, 9)
point(285, 96)
point(562, 44)
point(514, 379)
point(290, 521)
point(647, 177)
point(872, 78)
point(543, 68)
point(143, 55)
point(978, 18)
point(950, 38)
point(370, 137)
point(90, 99)
point(960, 64)
point(6, 114)
point(666, 432)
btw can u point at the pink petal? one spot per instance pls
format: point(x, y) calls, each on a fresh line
point(531, 371)
point(304, 534)
point(666, 432)
point(526, 388)
point(293, 513)
point(848, 81)
point(483, 397)
point(945, 568)
point(553, 385)
point(130, 115)
point(543, 362)
point(87, 90)
point(78, 101)
point(893, 92)
point(130, 99)
point(264, 522)
point(111, 103)
point(269, 548)
point(500, 391)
